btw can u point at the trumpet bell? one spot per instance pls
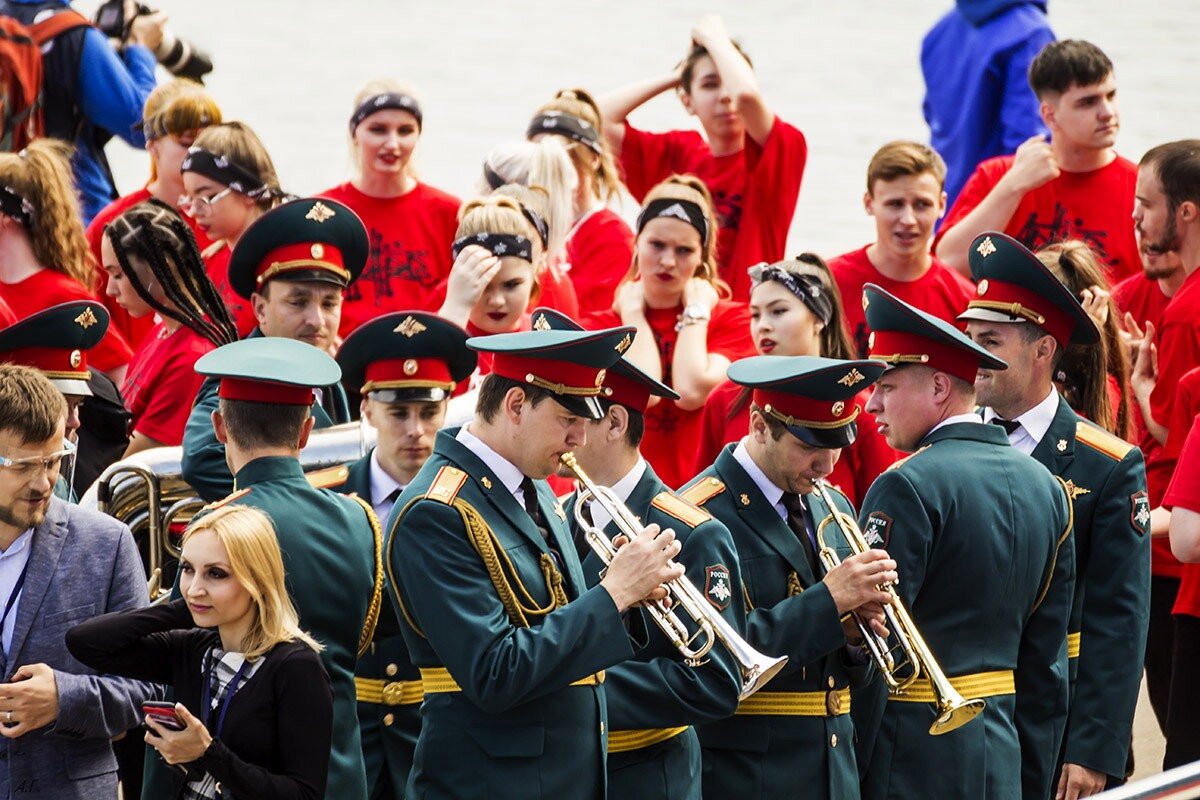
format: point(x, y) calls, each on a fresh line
point(758, 674)
point(954, 716)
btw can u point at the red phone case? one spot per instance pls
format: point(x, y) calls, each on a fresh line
point(164, 716)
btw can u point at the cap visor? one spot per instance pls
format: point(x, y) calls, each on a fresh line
point(423, 395)
point(311, 276)
point(587, 407)
point(987, 315)
point(842, 436)
point(69, 386)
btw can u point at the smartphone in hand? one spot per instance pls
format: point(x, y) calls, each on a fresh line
point(164, 714)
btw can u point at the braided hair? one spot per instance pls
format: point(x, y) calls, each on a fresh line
point(152, 233)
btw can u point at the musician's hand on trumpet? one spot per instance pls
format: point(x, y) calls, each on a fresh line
point(855, 582)
point(641, 567)
point(871, 614)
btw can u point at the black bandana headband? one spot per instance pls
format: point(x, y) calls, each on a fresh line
point(682, 210)
point(15, 206)
point(498, 244)
point(539, 224)
point(222, 170)
point(808, 288)
point(574, 128)
point(494, 179)
point(382, 102)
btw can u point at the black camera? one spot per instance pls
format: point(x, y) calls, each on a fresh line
point(178, 56)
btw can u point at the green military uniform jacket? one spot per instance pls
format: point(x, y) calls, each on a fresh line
point(388, 719)
point(981, 537)
point(203, 465)
point(758, 753)
point(1107, 635)
point(655, 692)
point(517, 728)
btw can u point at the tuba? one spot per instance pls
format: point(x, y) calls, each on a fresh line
point(148, 493)
point(756, 668)
point(902, 663)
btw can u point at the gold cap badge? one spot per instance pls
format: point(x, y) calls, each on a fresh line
point(317, 250)
point(852, 377)
point(409, 327)
point(76, 358)
point(410, 366)
point(320, 212)
point(86, 319)
point(541, 323)
point(986, 247)
point(982, 288)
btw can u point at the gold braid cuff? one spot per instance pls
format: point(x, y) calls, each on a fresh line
point(793, 584)
point(368, 629)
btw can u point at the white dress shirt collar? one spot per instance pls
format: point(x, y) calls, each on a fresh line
point(622, 489)
point(772, 493)
point(505, 470)
point(1035, 423)
point(382, 486)
point(955, 420)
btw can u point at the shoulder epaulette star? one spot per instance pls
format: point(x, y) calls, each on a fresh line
point(446, 485)
point(328, 478)
point(226, 500)
point(1101, 440)
point(703, 491)
point(907, 458)
point(680, 509)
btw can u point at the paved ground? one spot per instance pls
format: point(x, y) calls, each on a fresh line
point(846, 73)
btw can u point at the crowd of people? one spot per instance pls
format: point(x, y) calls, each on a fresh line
point(997, 395)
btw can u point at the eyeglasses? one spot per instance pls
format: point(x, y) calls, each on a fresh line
point(203, 205)
point(30, 466)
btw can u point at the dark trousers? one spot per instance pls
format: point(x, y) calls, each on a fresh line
point(1183, 731)
point(1160, 645)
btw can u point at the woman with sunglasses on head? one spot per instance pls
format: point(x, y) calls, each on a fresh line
point(229, 181)
point(174, 115)
point(795, 310)
point(44, 259)
point(599, 245)
point(689, 332)
point(154, 267)
point(254, 710)
point(410, 223)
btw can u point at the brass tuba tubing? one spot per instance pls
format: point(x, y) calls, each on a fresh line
point(953, 710)
point(756, 669)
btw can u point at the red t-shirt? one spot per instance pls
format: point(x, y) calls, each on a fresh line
point(1185, 493)
point(599, 252)
point(859, 465)
point(484, 365)
point(940, 291)
point(672, 433)
point(1178, 341)
point(134, 329)
point(409, 257)
point(162, 382)
point(216, 264)
point(755, 190)
point(1095, 206)
point(47, 288)
point(556, 291)
point(7, 317)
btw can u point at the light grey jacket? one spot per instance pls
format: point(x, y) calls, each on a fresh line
point(81, 564)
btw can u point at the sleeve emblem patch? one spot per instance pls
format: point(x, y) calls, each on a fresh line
point(878, 530)
point(716, 586)
point(1139, 513)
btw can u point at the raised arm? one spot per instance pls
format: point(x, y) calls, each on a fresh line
point(620, 103)
point(737, 76)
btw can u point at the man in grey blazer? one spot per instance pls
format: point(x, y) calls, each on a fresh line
point(59, 565)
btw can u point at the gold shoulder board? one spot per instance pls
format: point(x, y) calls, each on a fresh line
point(905, 460)
point(446, 485)
point(680, 509)
point(327, 478)
point(702, 492)
point(224, 501)
point(1100, 439)
point(213, 249)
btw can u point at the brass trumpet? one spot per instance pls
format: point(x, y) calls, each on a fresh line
point(953, 710)
point(756, 668)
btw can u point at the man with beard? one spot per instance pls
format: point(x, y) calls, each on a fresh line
point(59, 565)
point(1024, 315)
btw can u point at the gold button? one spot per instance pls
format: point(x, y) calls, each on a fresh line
point(833, 740)
point(833, 702)
point(393, 693)
point(830, 681)
point(392, 669)
point(388, 719)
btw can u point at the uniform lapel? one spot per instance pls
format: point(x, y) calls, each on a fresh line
point(1056, 450)
point(45, 549)
point(560, 533)
point(760, 518)
point(358, 481)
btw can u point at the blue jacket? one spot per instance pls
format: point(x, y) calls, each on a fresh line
point(108, 90)
point(978, 103)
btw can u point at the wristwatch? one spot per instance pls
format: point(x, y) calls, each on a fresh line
point(693, 313)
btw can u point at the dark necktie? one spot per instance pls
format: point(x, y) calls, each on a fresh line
point(1009, 425)
point(529, 491)
point(797, 521)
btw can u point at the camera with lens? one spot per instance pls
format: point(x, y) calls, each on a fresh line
point(114, 18)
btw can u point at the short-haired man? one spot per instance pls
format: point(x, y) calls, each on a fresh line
point(59, 565)
point(981, 535)
point(906, 197)
point(655, 697)
point(797, 735)
point(405, 366)
point(1074, 186)
point(1025, 316)
point(510, 641)
point(293, 264)
point(331, 544)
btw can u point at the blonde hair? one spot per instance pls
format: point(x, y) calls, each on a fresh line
point(238, 143)
point(499, 213)
point(693, 190)
point(41, 174)
point(606, 179)
point(177, 107)
point(545, 164)
point(256, 563)
point(370, 89)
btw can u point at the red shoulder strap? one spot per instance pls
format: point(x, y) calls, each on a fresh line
point(63, 21)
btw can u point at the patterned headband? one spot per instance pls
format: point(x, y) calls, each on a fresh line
point(498, 244)
point(380, 102)
point(682, 210)
point(574, 128)
point(808, 288)
point(222, 170)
